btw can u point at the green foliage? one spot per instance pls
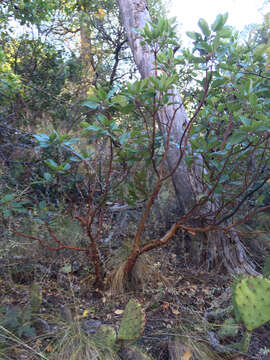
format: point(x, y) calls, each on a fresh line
point(39, 74)
point(219, 22)
point(231, 126)
point(20, 320)
point(57, 176)
point(31, 12)
point(10, 83)
point(228, 107)
point(20, 323)
point(11, 204)
point(204, 27)
point(162, 32)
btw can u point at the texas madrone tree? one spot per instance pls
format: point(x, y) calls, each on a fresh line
point(212, 142)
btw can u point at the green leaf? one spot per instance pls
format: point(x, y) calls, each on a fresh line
point(203, 45)
point(120, 100)
point(16, 205)
point(204, 27)
point(75, 159)
point(84, 124)
point(91, 104)
point(123, 138)
point(193, 35)
point(225, 33)
point(41, 137)
point(66, 166)
point(7, 198)
point(235, 139)
point(67, 269)
point(111, 92)
point(54, 135)
point(219, 22)
point(27, 330)
point(260, 49)
point(6, 213)
point(94, 128)
point(71, 141)
point(47, 176)
point(245, 120)
point(52, 164)
point(201, 196)
point(42, 205)
point(260, 199)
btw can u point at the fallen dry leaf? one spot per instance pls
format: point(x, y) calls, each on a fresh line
point(187, 355)
point(85, 313)
point(175, 311)
point(165, 307)
point(119, 312)
point(49, 348)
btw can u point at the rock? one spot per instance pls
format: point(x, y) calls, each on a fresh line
point(41, 326)
point(90, 326)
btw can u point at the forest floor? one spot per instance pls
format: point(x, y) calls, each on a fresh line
point(176, 306)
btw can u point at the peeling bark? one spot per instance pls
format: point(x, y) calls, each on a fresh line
point(135, 15)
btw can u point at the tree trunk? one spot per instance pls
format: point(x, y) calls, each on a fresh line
point(217, 247)
point(88, 72)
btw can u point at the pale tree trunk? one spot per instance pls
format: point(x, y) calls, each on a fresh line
point(88, 72)
point(218, 247)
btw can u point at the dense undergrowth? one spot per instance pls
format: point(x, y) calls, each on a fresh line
point(51, 309)
point(98, 260)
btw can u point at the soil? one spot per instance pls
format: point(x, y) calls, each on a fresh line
point(175, 300)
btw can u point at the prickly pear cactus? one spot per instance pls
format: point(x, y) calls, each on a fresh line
point(35, 298)
point(266, 268)
point(228, 328)
point(251, 298)
point(133, 321)
point(105, 336)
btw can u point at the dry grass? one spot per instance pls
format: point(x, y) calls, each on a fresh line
point(142, 274)
point(75, 345)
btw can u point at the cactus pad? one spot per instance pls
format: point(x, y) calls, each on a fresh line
point(266, 268)
point(35, 298)
point(252, 301)
point(228, 328)
point(133, 321)
point(105, 336)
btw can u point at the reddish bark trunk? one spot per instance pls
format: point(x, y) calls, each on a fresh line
point(218, 247)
